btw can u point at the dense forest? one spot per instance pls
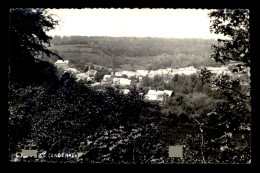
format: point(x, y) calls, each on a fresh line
point(50, 111)
point(131, 53)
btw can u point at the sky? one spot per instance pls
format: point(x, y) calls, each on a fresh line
point(167, 23)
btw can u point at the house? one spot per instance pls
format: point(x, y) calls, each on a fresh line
point(154, 95)
point(168, 92)
point(106, 77)
point(72, 70)
point(62, 64)
point(129, 73)
point(188, 72)
point(152, 73)
point(118, 74)
point(82, 76)
point(116, 81)
point(162, 71)
point(96, 84)
point(173, 73)
point(142, 72)
point(217, 70)
point(158, 95)
point(154, 92)
point(125, 82)
point(107, 81)
point(190, 68)
point(91, 73)
point(151, 97)
point(169, 69)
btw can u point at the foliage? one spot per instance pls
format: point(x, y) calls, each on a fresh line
point(53, 125)
point(235, 25)
point(232, 117)
point(28, 39)
point(19, 126)
point(100, 74)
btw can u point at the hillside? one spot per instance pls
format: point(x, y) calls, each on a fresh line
point(131, 53)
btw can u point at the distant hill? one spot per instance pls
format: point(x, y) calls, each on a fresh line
point(133, 53)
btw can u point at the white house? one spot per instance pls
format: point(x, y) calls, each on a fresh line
point(91, 73)
point(142, 72)
point(151, 97)
point(72, 70)
point(151, 74)
point(162, 71)
point(188, 72)
point(82, 76)
point(118, 74)
point(158, 95)
point(154, 95)
point(129, 73)
point(124, 81)
point(219, 70)
point(169, 69)
point(168, 92)
point(62, 64)
point(116, 81)
point(106, 77)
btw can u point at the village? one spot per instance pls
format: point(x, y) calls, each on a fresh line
point(125, 79)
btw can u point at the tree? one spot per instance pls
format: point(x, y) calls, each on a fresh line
point(124, 76)
point(146, 81)
point(52, 115)
point(28, 39)
point(86, 68)
point(157, 82)
point(19, 124)
point(234, 24)
point(115, 62)
point(233, 116)
point(99, 75)
point(127, 132)
point(149, 67)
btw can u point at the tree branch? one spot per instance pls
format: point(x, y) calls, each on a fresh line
point(202, 141)
point(243, 95)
